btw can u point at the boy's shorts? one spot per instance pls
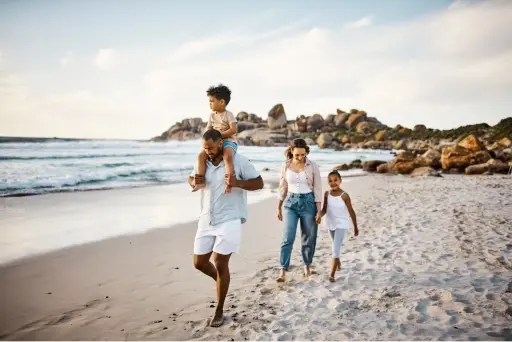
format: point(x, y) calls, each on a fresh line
point(230, 144)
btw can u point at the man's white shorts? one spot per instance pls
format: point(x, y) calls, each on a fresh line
point(224, 238)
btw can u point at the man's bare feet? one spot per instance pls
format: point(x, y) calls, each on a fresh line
point(307, 271)
point(217, 320)
point(282, 276)
point(331, 278)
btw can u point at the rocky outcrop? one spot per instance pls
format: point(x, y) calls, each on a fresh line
point(448, 150)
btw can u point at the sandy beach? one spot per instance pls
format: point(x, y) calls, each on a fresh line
point(433, 261)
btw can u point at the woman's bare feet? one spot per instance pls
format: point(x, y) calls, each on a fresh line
point(282, 276)
point(217, 320)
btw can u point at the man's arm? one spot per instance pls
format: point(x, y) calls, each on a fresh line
point(233, 129)
point(250, 184)
point(250, 178)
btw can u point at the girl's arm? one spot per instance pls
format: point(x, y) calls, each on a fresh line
point(324, 209)
point(351, 211)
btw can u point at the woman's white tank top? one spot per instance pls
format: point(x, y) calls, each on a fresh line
point(297, 182)
point(338, 216)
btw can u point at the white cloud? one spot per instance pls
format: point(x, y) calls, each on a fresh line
point(66, 59)
point(363, 22)
point(105, 59)
point(445, 69)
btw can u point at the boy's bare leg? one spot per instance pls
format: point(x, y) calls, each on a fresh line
point(199, 182)
point(230, 169)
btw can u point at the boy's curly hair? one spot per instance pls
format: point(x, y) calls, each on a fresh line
point(220, 92)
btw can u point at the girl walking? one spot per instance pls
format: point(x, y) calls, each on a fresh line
point(339, 211)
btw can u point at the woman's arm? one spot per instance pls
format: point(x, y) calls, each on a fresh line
point(283, 186)
point(317, 186)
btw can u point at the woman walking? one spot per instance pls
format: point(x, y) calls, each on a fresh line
point(300, 199)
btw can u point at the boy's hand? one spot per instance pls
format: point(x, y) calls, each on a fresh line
point(356, 231)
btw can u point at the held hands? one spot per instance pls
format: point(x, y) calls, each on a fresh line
point(318, 218)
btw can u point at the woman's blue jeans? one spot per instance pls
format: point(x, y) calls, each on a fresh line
point(299, 207)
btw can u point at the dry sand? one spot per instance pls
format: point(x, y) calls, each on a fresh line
point(433, 261)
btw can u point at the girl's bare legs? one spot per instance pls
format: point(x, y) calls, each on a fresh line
point(335, 266)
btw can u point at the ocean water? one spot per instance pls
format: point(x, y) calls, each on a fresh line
point(39, 168)
point(62, 213)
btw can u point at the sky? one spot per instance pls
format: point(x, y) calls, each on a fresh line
point(131, 69)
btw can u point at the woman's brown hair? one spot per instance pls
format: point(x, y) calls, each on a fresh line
point(296, 143)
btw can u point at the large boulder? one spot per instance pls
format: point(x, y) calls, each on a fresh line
point(262, 137)
point(363, 127)
point(477, 169)
point(472, 143)
point(497, 166)
point(404, 132)
point(371, 165)
point(356, 164)
point(419, 128)
point(505, 142)
point(310, 142)
point(254, 118)
point(380, 135)
point(383, 168)
point(246, 125)
point(459, 157)
point(403, 163)
point(300, 124)
point(277, 117)
point(342, 167)
point(315, 122)
point(242, 116)
point(354, 119)
point(340, 120)
point(431, 158)
point(324, 140)
point(401, 145)
point(330, 119)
